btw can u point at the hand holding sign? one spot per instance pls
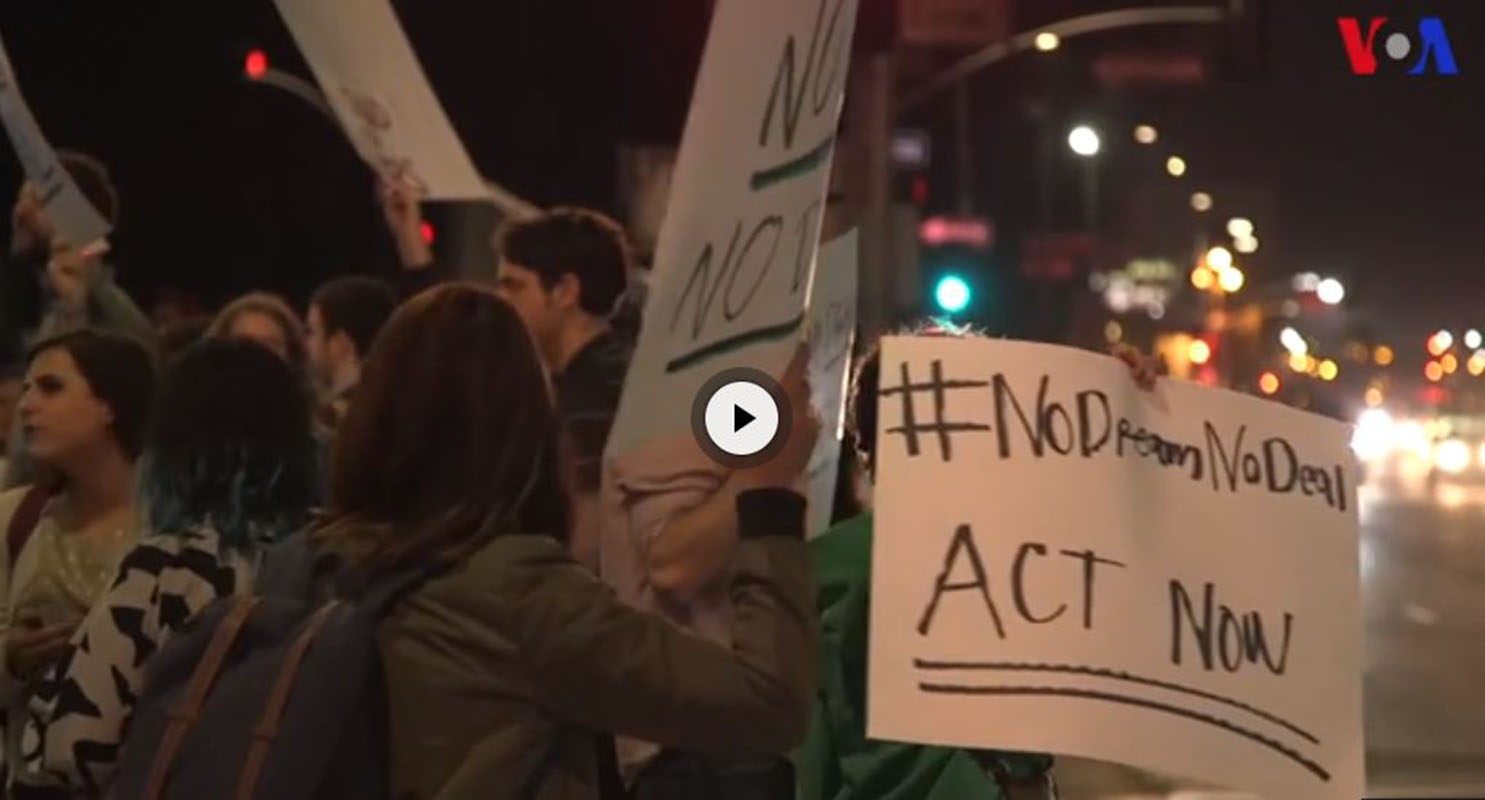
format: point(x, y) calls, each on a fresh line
point(785, 467)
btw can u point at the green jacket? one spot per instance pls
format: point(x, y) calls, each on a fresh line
point(499, 672)
point(838, 761)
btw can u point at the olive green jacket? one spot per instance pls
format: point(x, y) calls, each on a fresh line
point(500, 672)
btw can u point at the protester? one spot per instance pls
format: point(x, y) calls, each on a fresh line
point(838, 761)
point(501, 666)
point(269, 321)
point(84, 409)
point(344, 317)
point(229, 466)
point(564, 272)
point(49, 286)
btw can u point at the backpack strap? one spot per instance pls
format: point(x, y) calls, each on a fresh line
point(25, 519)
point(189, 709)
point(278, 697)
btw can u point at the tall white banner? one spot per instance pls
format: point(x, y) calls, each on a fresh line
point(1066, 564)
point(72, 217)
point(372, 79)
point(832, 335)
point(737, 248)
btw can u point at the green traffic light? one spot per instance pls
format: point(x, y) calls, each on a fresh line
point(952, 294)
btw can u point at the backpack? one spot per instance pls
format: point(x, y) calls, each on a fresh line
point(279, 695)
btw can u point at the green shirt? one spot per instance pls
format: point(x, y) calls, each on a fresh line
point(838, 761)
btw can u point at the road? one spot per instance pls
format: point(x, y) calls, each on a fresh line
point(1423, 596)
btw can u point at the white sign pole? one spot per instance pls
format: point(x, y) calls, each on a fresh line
point(737, 248)
point(372, 79)
point(832, 334)
point(72, 217)
point(1066, 564)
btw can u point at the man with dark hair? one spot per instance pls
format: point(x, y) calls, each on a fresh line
point(564, 272)
point(345, 315)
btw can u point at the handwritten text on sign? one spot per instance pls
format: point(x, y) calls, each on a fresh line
point(71, 215)
point(736, 255)
point(1067, 564)
point(372, 79)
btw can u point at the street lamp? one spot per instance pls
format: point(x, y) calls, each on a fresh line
point(1047, 41)
point(1219, 258)
point(1084, 141)
point(1240, 228)
point(1146, 134)
point(1201, 201)
point(1330, 291)
point(1231, 280)
point(1176, 166)
point(1247, 245)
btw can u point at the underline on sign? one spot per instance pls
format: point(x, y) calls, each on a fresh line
point(1108, 697)
point(793, 168)
point(734, 342)
point(1074, 669)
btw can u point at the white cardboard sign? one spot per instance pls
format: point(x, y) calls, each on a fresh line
point(832, 334)
point(737, 248)
point(73, 218)
point(1066, 564)
point(372, 79)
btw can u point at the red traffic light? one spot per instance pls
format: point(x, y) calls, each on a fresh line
point(429, 234)
point(255, 66)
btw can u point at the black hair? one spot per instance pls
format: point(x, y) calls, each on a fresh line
point(230, 446)
point(119, 372)
point(578, 241)
point(357, 305)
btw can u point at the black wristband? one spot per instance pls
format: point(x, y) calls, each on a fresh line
point(770, 512)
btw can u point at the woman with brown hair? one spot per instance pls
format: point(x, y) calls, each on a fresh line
point(84, 407)
point(268, 320)
point(501, 667)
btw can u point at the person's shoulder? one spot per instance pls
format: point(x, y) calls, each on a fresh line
point(10, 500)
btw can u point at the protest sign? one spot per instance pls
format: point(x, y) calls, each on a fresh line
point(72, 217)
point(1066, 564)
point(832, 334)
point(737, 248)
point(373, 81)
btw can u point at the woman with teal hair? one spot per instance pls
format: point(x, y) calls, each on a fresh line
point(230, 466)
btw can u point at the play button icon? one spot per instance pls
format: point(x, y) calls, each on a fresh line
point(739, 417)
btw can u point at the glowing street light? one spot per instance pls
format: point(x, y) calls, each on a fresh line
point(1329, 370)
point(1219, 258)
point(1047, 41)
point(1231, 280)
point(1247, 245)
point(1330, 291)
point(1269, 383)
point(1473, 339)
point(1084, 141)
point(1434, 372)
point(1176, 166)
point(1293, 342)
point(1440, 343)
point(1383, 356)
point(1146, 134)
point(1203, 278)
point(1201, 201)
point(1199, 352)
point(1240, 227)
point(1476, 363)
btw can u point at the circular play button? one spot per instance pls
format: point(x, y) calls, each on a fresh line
point(739, 417)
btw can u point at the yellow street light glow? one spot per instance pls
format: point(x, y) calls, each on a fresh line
point(1329, 370)
point(1176, 166)
point(1231, 280)
point(1374, 397)
point(1240, 227)
point(1146, 134)
point(1199, 352)
point(1299, 362)
point(1476, 363)
point(1201, 201)
point(1268, 383)
point(1203, 278)
point(1434, 372)
point(1383, 356)
point(1450, 363)
point(1219, 258)
point(1047, 41)
point(1247, 245)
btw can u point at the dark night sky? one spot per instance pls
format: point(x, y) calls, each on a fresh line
point(228, 186)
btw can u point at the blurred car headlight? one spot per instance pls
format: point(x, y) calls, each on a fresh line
point(1374, 436)
point(1452, 456)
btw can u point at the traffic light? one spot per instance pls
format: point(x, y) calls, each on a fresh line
point(952, 294)
point(255, 65)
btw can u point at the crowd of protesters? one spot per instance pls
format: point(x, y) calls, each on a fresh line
point(651, 627)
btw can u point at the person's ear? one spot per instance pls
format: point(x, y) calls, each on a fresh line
point(568, 292)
